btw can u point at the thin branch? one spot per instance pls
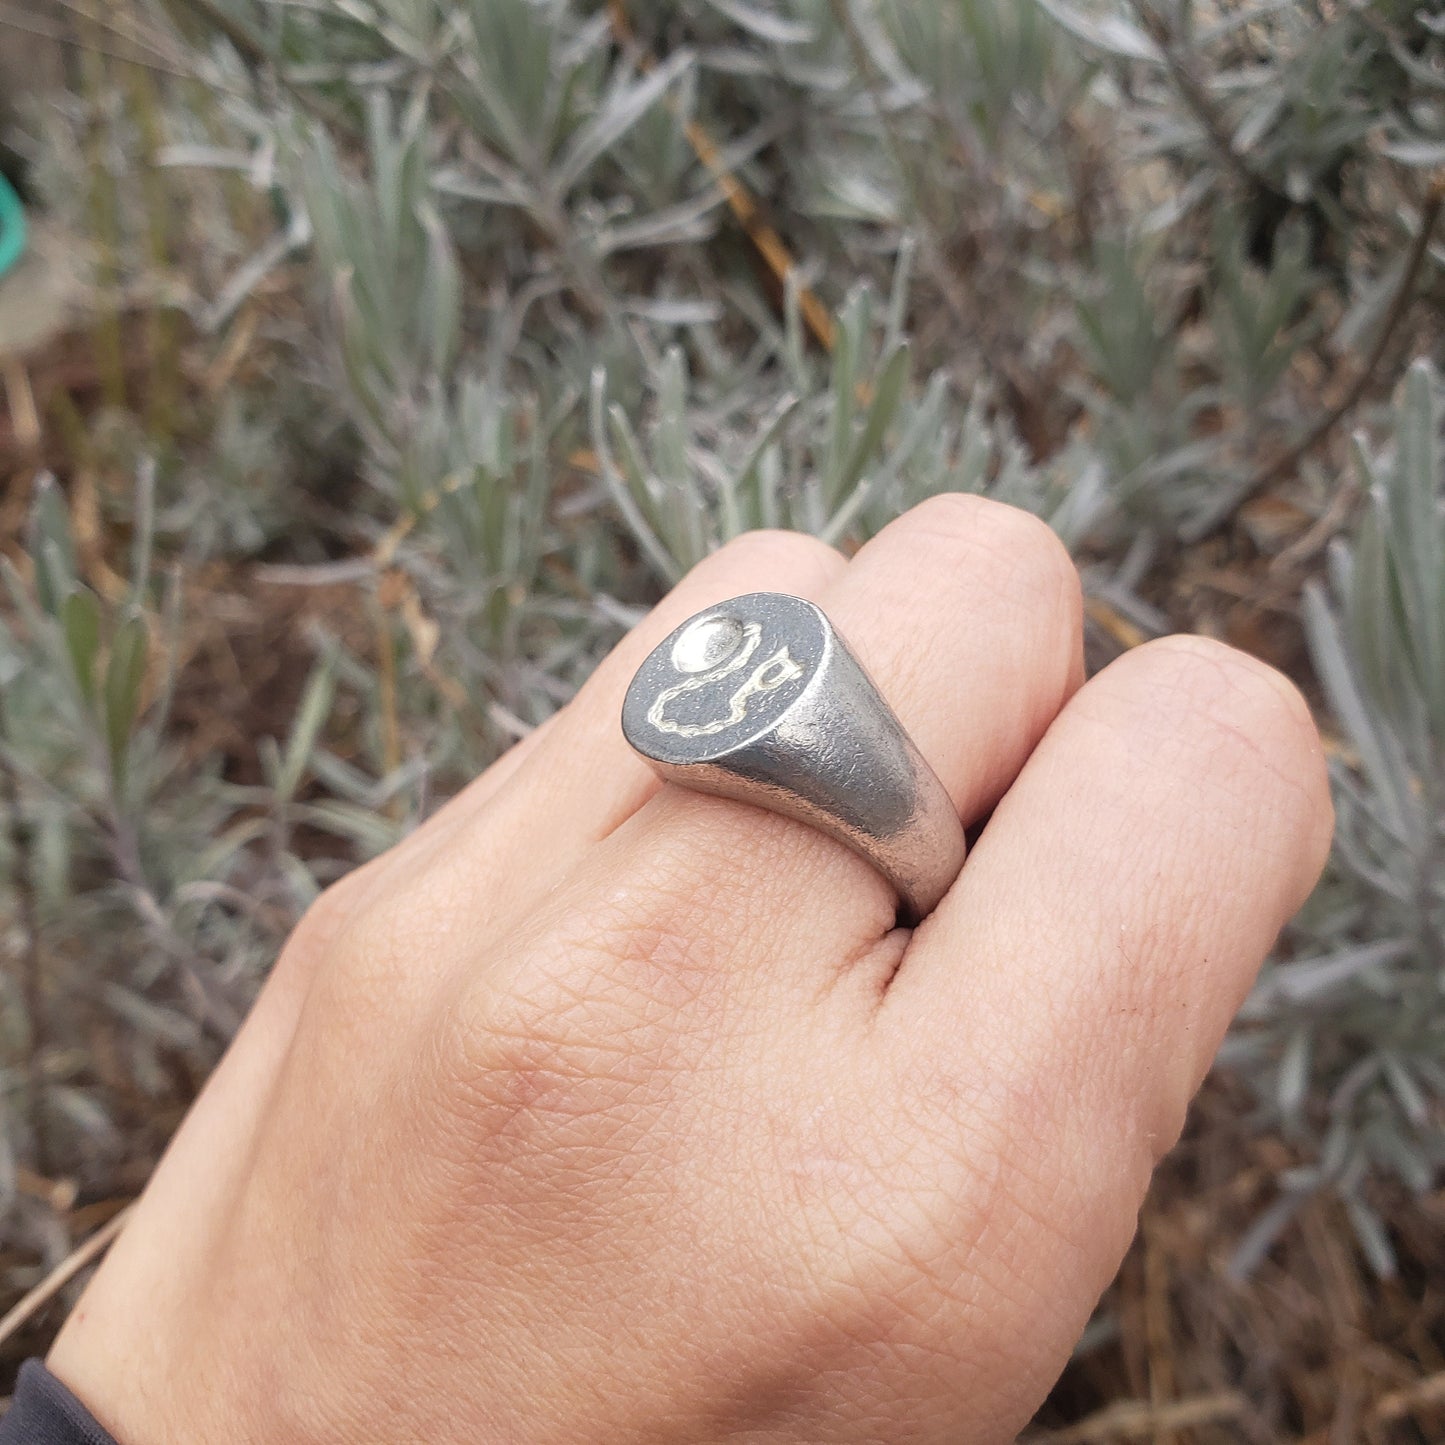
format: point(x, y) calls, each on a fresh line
point(1219, 518)
point(1141, 1420)
point(1422, 1395)
point(1197, 98)
point(63, 1273)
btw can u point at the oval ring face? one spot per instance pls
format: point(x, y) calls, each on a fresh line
point(724, 677)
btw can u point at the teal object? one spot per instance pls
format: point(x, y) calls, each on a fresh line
point(12, 226)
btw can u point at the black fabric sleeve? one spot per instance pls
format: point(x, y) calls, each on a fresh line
point(44, 1412)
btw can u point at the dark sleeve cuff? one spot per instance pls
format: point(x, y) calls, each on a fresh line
point(44, 1412)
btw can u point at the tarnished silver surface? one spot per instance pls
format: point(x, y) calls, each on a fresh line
point(759, 699)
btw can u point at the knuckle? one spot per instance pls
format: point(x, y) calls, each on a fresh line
point(647, 941)
point(1024, 548)
point(562, 1068)
point(772, 549)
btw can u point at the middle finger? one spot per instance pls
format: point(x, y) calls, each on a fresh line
point(967, 615)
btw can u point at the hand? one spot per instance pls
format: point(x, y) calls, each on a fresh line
point(600, 1111)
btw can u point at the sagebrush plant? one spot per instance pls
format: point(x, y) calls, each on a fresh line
point(505, 312)
point(1349, 1040)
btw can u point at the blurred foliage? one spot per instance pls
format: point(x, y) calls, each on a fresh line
point(475, 324)
point(1349, 1039)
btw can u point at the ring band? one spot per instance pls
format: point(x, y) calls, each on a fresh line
point(759, 699)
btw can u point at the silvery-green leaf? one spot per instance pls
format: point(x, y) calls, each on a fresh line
point(1373, 1237)
point(1406, 1090)
point(311, 716)
point(881, 412)
point(621, 492)
point(1336, 673)
point(673, 311)
point(1292, 1085)
point(1264, 1233)
point(1258, 119)
point(1427, 154)
point(1428, 76)
point(442, 294)
point(124, 674)
point(620, 112)
point(154, 1020)
point(373, 832)
point(80, 620)
point(765, 24)
point(1306, 979)
point(690, 220)
point(215, 860)
point(80, 1109)
point(1108, 32)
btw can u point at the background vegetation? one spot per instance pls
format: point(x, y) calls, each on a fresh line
point(375, 361)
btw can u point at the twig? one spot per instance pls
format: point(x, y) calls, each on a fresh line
point(1159, 1335)
point(391, 585)
point(1218, 518)
point(63, 1273)
point(1306, 547)
point(31, 966)
point(1137, 1420)
point(1196, 97)
point(1400, 1404)
point(816, 316)
point(24, 416)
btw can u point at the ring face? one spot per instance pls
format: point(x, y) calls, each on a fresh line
point(759, 700)
point(727, 675)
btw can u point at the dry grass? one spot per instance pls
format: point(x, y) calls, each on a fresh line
point(1312, 1349)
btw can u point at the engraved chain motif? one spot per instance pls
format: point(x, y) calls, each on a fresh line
point(769, 675)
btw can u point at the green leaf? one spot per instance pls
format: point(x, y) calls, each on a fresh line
point(442, 299)
point(371, 831)
point(52, 547)
point(765, 24)
point(619, 113)
point(880, 416)
point(123, 677)
point(20, 596)
point(627, 492)
point(143, 527)
point(311, 715)
point(1110, 33)
point(80, 620)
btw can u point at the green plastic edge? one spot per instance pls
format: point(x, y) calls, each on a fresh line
point(12, 226)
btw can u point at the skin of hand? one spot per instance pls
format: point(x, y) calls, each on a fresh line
point(603, 1111)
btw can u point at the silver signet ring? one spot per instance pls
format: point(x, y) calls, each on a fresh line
point(758, 699)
